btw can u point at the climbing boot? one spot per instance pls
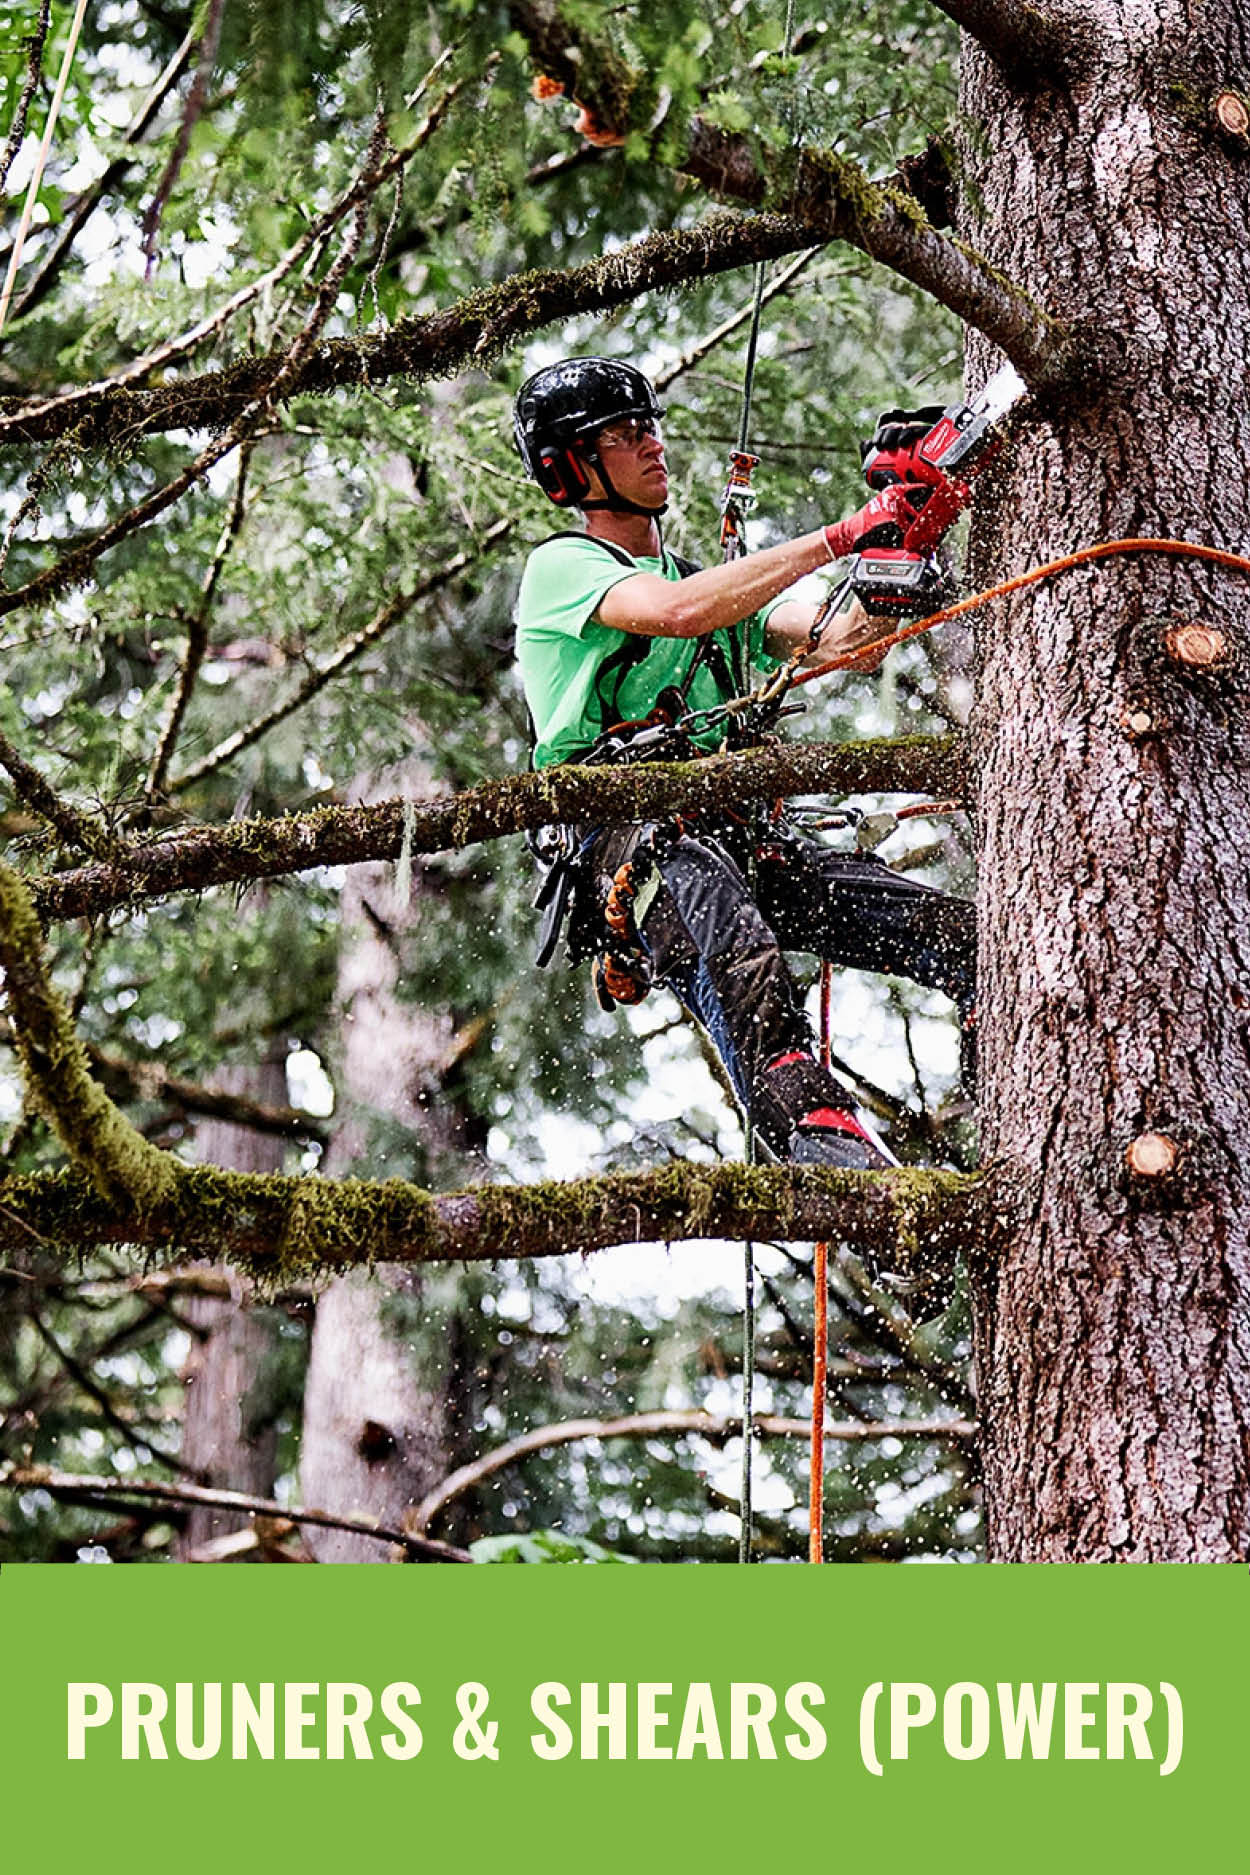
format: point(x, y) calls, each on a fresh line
point(834, 1137)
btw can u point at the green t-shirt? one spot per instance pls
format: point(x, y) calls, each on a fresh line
point(562, 649)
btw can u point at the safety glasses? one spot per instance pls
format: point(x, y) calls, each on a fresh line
point(628, 433)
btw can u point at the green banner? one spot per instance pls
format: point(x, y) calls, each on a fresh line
point(651, 1719)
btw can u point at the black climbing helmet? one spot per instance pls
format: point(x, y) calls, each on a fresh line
point(557, 415)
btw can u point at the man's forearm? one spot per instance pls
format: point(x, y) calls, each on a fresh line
point(721, 596)
point(790, 627)
point(716, 598)
point(738, 589)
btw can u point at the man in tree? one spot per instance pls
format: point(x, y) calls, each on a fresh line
point(611, 630)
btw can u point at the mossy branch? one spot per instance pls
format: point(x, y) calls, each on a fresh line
point(122, 1167)
point(838, 202)
point(339, 836)
point(279, 1229)
point(469, 334)
point(75, 828)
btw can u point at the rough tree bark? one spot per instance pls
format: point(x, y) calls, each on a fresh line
point(218, 1439)
point(379, 1412)
point(1113, 1333)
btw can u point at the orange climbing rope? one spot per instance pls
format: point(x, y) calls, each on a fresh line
point(1183, 549)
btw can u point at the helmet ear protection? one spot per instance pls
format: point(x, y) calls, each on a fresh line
point(562, 476)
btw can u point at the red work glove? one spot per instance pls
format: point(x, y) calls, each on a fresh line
point(881, 522)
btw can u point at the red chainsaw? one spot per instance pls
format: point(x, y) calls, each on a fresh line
point(939, 450)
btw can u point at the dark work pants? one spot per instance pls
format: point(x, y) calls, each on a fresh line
point(718, 947)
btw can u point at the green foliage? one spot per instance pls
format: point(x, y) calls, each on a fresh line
point(542, 1546)
point(350, 501)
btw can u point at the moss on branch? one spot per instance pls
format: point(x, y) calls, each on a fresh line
point(121, 1165)
point(471, 333)
point(280, 1229)
point(336, 836)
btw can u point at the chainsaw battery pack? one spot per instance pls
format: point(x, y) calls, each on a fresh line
point(890, 580)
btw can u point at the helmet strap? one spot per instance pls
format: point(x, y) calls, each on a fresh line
point(614, 503)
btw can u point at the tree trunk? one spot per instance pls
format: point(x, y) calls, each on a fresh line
point(219, 1436)
point(1113, 1334)
point(379, 1402)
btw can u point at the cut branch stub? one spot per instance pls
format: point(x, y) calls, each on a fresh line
point(1232, 117)
point(1201, 646)
point(376, 1442)
point(1152, 1156)
point(1136, 723)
